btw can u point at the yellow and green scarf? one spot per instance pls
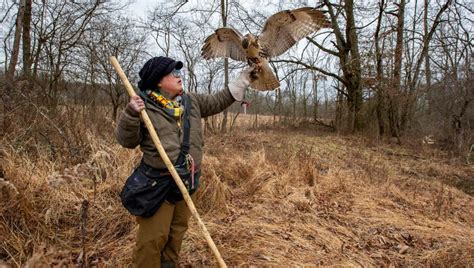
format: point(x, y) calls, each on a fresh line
point(172, 107)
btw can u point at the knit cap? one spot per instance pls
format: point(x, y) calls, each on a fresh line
point(155, 69)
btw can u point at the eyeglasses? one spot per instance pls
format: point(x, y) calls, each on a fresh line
point(176, 73)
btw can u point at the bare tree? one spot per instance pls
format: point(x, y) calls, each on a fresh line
point(57, 29)
point(398, 70)
point(380, 79)
point(224, 15)
point(26, 41)
point(348, 52)
point(394, 92)
point(10, 72)
point(450, 97)
point(413, 80)
point(112, 36)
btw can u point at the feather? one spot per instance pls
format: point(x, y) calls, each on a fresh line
point(224, 42)
point(283, 29)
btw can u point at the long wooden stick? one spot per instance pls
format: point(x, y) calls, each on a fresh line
point(169, 165)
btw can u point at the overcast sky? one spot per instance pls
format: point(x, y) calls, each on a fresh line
point(139, 8)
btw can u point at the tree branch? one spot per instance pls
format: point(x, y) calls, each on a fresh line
point(310, 67)
point(332, 52)
point(426, 42)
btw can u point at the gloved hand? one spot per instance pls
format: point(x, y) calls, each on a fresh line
point(238, 86)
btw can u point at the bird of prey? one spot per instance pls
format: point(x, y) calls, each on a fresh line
point(281, 31)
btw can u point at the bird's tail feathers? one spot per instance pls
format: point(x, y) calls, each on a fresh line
point(264, 79)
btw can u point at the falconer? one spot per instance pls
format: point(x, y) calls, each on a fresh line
point(160, 233)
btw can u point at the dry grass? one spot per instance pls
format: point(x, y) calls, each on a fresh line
point(268, 197)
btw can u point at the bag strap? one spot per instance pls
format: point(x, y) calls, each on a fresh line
point(186, 130)
point(186, 124)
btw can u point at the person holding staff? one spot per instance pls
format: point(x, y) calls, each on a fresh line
point(176, 117)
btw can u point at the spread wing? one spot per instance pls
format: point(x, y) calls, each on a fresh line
point(225, 42)
point(283, 29)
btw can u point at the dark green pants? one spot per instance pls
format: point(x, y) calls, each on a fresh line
point(159, 237)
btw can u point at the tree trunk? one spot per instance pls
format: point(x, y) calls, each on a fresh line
point(305, 105)
point(279, 105)
point(27, 40)
point(224, 9)
point(380, 94)
point(354, 76)
point(315, 97)
point(226, 82)
point(395, 92)
point(427, 60)
point(349, 57)
point(256, 109)
point(10, 73)
point(339, 111)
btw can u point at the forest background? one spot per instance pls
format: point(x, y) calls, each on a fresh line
point(396, 76)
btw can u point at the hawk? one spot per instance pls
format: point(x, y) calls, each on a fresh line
point(280, 32)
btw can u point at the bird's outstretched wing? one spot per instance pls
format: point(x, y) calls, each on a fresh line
point(225, 42)
point(283, 29)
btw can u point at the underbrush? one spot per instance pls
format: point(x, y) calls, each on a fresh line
point(269, 196)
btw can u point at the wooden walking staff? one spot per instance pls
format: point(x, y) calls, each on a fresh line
point(169, 165)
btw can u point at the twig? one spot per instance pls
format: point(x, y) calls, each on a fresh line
point(84, 207)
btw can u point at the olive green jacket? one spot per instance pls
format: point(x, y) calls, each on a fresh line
point(131, 131)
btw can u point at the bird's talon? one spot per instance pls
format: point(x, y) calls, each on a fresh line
point(254, 74)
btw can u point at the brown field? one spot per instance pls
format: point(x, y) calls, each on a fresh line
point(287, 196)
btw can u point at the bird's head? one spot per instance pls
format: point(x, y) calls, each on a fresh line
point(249, 40)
